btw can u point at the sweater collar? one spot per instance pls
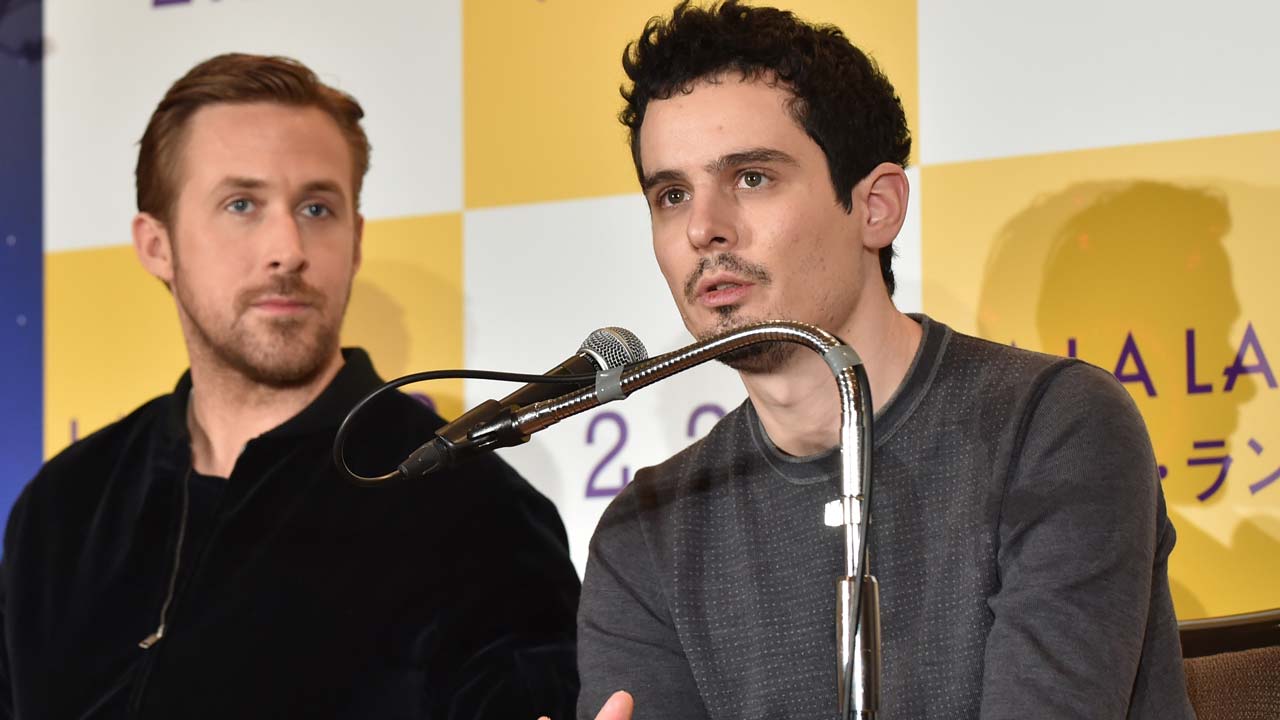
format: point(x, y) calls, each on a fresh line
point(891, 416)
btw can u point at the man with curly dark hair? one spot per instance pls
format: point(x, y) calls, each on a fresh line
point(1020, 536)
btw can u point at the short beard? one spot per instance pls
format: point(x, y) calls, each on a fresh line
point(761, 358)
point(758, 358)
point(287, 357)
point(268, 367)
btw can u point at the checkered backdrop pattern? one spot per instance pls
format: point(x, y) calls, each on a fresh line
point(1095, 179)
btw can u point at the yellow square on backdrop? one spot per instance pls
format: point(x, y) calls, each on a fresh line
point(112, 341)
point(1155, 262)
point(541, 79)
point(406, 305)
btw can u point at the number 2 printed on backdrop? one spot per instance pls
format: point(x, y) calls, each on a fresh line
point(597, 485)
point(715, 411)
point(595, 488)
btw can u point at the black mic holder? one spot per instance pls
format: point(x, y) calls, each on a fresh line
point(487, 426)
point(858, 604)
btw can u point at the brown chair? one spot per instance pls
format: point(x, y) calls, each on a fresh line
point(1232, 665)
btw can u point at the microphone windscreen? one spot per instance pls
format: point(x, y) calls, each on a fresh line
point(614, 346)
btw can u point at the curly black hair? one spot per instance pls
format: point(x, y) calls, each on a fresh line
point(840, 97)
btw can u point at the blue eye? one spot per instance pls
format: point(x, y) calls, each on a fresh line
point(316, 210)
point(240, 205)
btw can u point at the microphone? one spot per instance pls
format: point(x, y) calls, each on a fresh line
point(489, 425)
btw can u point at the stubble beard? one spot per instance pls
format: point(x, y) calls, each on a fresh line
point(759, 358)
point(274, 352)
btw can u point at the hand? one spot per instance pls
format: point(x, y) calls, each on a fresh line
point(617, 707)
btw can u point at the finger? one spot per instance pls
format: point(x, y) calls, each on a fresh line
point(619, 707)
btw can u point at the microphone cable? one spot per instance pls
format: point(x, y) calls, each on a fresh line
point(340, 440)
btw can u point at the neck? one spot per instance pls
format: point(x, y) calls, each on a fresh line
point(226, 410)
point(798, 404)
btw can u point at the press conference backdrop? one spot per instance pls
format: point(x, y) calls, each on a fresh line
point(1095, 179)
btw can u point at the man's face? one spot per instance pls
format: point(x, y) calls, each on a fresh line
point(265, 239)
point(746, 225)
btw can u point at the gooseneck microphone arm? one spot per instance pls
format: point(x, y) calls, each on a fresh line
point(488, 425)
point(857, 607)
point(340, 439)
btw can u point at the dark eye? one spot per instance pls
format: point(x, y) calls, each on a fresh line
point(316, 210)
point(752, 179)
point(674, 196)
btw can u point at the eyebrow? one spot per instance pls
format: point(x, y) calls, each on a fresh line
point(248, 183)
point(661, 177)
point(241, 183)
point(324, 186)
point(748, 157)
point(731, 160)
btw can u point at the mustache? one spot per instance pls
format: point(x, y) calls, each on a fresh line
point(291, 287)
point(724, 261)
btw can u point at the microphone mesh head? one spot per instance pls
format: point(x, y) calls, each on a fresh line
point(614, 346)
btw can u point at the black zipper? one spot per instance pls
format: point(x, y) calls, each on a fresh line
point(148, 643)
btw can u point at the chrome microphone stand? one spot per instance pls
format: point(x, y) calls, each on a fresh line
point(857, 594)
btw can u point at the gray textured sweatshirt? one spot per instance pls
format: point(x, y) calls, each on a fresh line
point(1019, 535)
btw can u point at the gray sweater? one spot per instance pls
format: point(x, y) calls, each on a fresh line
point(1019, 535)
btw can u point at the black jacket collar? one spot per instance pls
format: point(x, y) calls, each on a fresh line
point(355, 379)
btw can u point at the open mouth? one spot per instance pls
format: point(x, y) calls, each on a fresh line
point(722, 291)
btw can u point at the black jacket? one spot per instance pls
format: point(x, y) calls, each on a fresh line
point(301, 595)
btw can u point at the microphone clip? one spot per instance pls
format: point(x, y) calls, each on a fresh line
point(487, 426)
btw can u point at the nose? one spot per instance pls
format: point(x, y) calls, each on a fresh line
point(711, 222)
point(283, 244)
